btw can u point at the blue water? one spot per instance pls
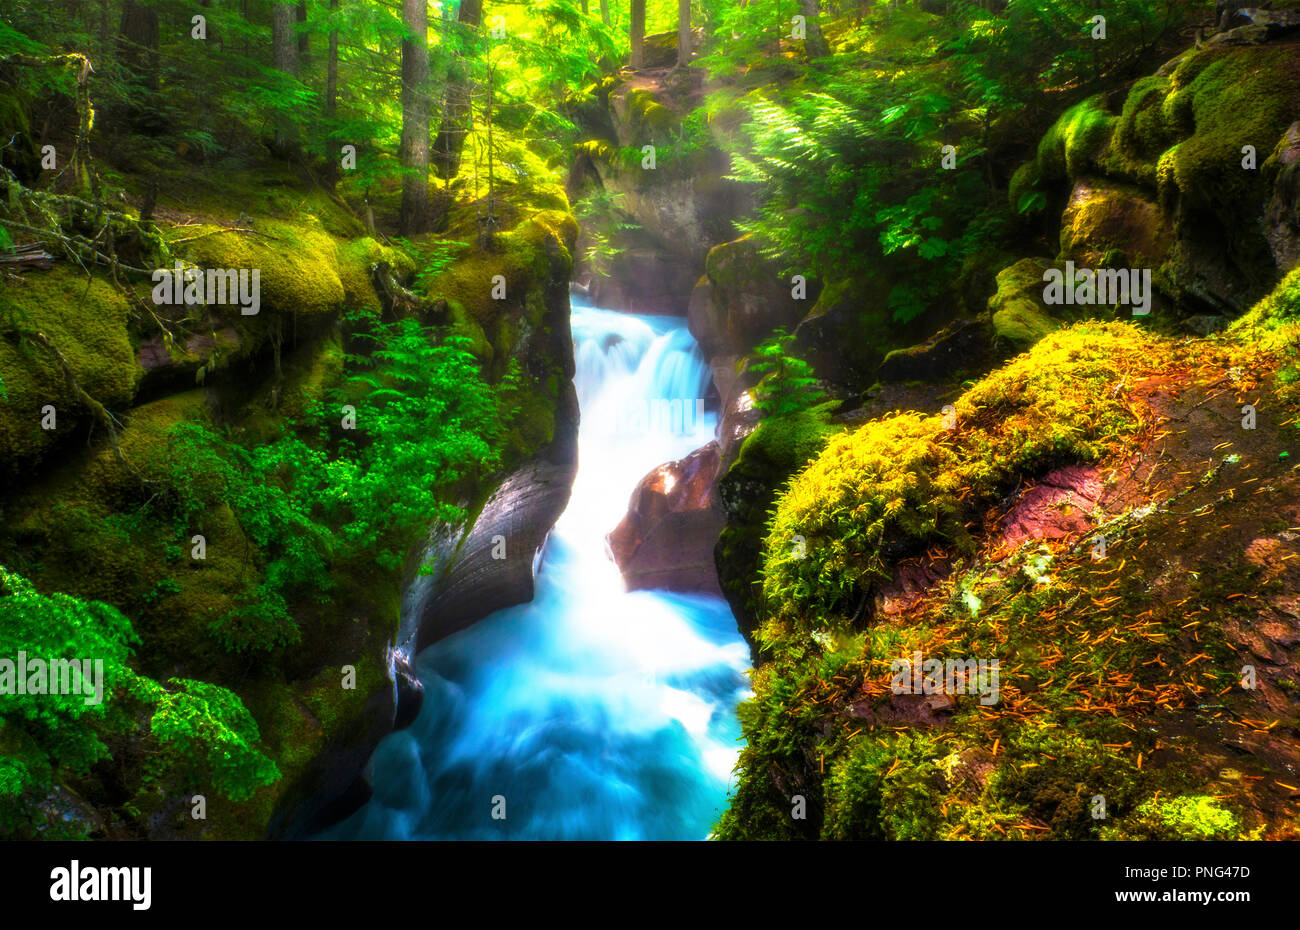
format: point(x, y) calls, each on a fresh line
point(590, 713)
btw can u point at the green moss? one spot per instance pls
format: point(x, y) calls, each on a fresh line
point(1242, 97)
point(1190, 817)
point(1274, 319)
point(356, 257)
point(886, 790)
point(1184, 132)
point(1073, 145)
point(1019, 317)
point(776, 449)
point(1020, 323)
point(1143, 132)
point(528, 256)
point(650, 120)
point(1054, 776)
point(1024, 183)
point(87, 321)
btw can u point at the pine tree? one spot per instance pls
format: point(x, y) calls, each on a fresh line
point(786, 382)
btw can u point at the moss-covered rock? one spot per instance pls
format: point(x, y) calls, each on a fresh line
point(904, 483)
point(1110, 225)
point(298, 265)
point(1075, 143)
point(88, 322)
point(1020, 317)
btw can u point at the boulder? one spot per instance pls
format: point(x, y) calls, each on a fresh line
point(666, 539)
point(1060, 506)
point(841, 336)
point(1108, 224)
point(408, 689)
point(750, 298)
point(470, 581)
point(702, 321)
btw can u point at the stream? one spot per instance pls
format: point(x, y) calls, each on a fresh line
point(591, 713)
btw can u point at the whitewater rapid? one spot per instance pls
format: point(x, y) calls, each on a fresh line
point(590, 713)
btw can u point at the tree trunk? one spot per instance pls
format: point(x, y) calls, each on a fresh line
point(637, 34)
point(284, 53)
point(304, 45)
point(137, 44)
point(284, 57)
point(104, 31)
point(683, 33)
point(815, 44)
point(332, 66)
point(490, 221)
point(414, 217)
point(454, 127)
point(604, 12)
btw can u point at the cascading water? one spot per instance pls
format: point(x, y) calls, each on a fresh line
point(591, 713)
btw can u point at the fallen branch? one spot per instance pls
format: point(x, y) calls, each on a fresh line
point(224, 229)
point(98, 410)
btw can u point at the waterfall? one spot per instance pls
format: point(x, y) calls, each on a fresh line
point(590, 713)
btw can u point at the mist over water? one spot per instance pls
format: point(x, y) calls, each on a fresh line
point(596, 713)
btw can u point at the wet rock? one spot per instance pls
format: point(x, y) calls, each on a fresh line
point(750, 298)
point(409, 690)
point(1058, 507)
point(739, 418)
point(703, 321)
point(666, 539)
point(644, 278)
point(492, 564)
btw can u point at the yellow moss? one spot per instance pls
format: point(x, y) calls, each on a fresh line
point(525, 256)
point(1275, 320)
point(298, 268)
point(899, 484)
point(87, 320)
